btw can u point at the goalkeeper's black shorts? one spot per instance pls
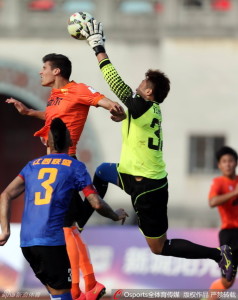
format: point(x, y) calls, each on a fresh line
point(149, 198)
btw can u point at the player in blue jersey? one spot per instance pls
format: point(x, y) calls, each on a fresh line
point(71, 101)
point(48, 183)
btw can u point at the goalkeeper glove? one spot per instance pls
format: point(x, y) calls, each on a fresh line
point(94, 36)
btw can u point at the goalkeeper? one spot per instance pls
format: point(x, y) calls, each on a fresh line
point(141, 171)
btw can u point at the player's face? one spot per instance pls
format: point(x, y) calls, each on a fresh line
point(144, 89)
point(47, 74)
point(227, 165)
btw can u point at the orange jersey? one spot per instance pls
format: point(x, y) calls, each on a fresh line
point(229, 210)
point(70, 103)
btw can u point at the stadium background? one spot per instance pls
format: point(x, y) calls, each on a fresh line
point(193, 41)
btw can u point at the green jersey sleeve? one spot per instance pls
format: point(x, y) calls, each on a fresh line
point(117, 85)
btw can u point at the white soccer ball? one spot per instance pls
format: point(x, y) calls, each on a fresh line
point(77, 22)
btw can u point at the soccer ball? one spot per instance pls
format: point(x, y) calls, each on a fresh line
point(77, 22)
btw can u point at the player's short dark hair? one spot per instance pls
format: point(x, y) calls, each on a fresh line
point(60, 135)
point(59, 61)
point(161, 84)
point(224, 151)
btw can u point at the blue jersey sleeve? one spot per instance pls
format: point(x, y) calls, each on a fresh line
point(82, 177)
point(23, 172)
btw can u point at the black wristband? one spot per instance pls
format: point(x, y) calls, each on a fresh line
point(99, 49)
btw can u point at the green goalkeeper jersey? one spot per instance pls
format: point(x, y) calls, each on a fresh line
point(142, 142)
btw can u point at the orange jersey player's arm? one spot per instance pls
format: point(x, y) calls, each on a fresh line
point(115, 108)
point(117, 112)
point(216, 198)
point(24, 110)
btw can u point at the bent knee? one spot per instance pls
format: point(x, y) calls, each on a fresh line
point(156, 248)
point(156, 251)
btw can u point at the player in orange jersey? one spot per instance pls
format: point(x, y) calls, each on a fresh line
point(68, 100)
point(224, 195)
point(71, 101)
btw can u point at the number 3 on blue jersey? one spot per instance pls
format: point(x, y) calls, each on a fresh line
point(46, 185)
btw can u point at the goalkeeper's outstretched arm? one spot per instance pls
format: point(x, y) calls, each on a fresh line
point(117, 85)
point(95, 38)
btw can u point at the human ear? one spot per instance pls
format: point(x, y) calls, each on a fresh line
point(148, 92)
point(56, 71)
